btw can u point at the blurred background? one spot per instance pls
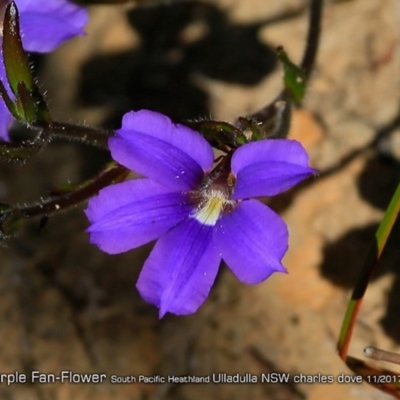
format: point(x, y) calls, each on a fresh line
point(65, 305)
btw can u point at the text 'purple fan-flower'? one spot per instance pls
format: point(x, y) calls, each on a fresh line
point(45, 25)
point(199, 215)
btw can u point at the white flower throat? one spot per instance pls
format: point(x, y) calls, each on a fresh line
point(213, 204)
point(213, 198)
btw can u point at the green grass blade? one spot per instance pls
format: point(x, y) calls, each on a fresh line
point(375, 252)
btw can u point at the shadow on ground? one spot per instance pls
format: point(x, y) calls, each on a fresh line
point(179, 42)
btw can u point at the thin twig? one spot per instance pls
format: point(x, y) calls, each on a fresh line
point(313, 37)
point(382, 355)
point(307, 64)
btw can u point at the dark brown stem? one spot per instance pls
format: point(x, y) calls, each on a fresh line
point(20, 152)
point(86, 190)
point(313, 37)
point(84, 134)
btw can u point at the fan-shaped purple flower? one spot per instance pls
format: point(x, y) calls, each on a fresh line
point(199, 215)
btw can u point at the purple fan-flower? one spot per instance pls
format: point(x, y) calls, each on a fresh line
point(199, 215)
point(45, 24)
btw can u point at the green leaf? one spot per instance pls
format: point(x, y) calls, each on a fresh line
point(294, 78)
point(219, 134)
point(15, 60)
point(251, 132)
point(8, 101)
point(25, 104)
point(29, 105)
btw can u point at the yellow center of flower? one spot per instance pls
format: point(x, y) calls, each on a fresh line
point(211, 208)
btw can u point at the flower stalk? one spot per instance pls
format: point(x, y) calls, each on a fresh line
point(61, 200)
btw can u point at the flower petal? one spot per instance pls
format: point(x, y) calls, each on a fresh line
point(178, 275)
point(252, 240)
point(158, 125)
point(6, 121)
point(269, 167)
point(150, 144)
point(47, 24)
point(132, 213)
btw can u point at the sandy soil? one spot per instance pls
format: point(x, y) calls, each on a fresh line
point(65, 306)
